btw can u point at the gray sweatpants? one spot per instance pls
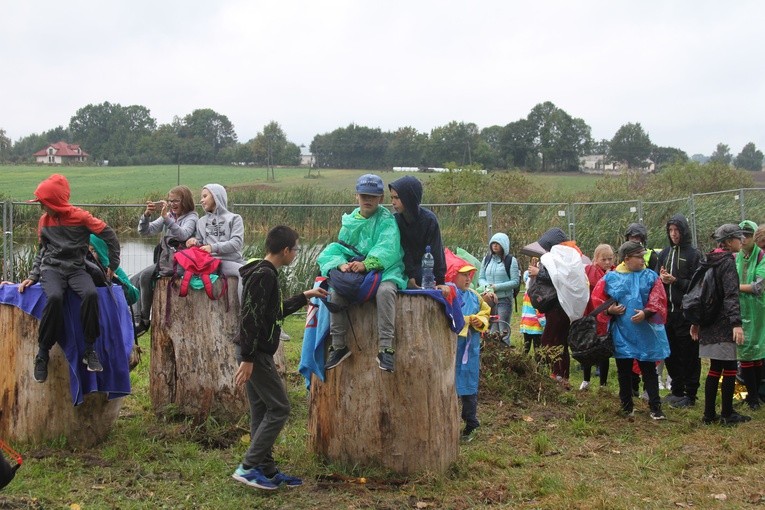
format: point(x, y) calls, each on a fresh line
point(386, 317)
point(269, 410)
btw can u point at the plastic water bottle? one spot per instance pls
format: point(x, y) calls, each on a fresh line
point(428, 262)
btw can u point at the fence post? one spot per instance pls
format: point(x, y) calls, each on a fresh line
point(571, 221)
point(640, 211)
point(7, 241)
point(741, 204)
point(692, 207)
point(489, 220)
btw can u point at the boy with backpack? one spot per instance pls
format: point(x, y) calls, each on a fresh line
point(263, 311)
point(499, 280)
point(64, 232)
point(372, 231)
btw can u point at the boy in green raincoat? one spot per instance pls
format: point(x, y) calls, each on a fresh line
point(372, 231)
point(751, 274)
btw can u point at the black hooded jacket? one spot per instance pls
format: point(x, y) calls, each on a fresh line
point(419, 228)
point(681, 261)
point(639, 230)
point(726, 281)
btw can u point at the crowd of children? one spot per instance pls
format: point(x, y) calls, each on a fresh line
point(645, 288)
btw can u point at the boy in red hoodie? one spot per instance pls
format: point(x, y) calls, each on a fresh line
point(64, 234)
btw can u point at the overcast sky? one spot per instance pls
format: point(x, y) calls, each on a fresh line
point(691, 72)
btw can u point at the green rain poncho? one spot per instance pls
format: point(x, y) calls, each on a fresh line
point(752, 307)
point(377, 237)
point(131, 293)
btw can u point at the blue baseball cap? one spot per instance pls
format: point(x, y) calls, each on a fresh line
point(370, 184)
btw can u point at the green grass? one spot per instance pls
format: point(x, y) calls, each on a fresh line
point(538, 447)
point(136, 183)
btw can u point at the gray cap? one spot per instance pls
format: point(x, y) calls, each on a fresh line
point(630, 248)
point(728, 231)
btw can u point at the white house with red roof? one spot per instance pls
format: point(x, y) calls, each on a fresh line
point(61, 152)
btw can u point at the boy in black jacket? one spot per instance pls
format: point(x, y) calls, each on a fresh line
point(263, 310)
point(677, 263)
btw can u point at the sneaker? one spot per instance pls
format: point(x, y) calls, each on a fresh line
point(254, 477)
point(284, 337)
point(753, 405)
point(468, 434)
point(385, 360)
point(681, 402)
point(584, 386)
point(140, 328)
point(734, 419)
point(288, 481)
point(336, 356)
point(710, 420)
point(91, 360)
point(658, 414)
point(672, 398)
point(41, 368)
point(627, 413)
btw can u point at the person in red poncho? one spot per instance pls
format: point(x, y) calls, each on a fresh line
point(64, 234)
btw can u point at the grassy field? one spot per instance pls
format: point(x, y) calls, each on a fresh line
point(538, 447)
point(134, 184)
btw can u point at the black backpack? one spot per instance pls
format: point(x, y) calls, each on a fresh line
point(508, 267)
point(702, 302)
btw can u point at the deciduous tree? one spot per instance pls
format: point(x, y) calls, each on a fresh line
point(631, 144)
point(721, 154)
point(749, 158)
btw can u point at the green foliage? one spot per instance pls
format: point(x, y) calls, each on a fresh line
point(721, 155)
point(630, 144)
point(750, 158)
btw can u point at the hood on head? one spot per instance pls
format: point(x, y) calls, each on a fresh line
point(54, 192)
point(221, 197)
point(552, 237)
point(636, 229)
point(409, 190)
point(681, 223)
point(502, 240)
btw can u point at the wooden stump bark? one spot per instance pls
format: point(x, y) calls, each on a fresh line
point(30, 411)
point(193, 359)
point(406, 421)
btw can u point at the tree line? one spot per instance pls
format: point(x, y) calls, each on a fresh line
point(547, 139)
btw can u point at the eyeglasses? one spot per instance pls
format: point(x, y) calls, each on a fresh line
point(173, 201)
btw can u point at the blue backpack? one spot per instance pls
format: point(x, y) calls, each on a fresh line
point(355, 287)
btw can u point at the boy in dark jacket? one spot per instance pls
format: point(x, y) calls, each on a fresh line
point(263, 310)
point(419, 228)
point(64, 232)
point(677, 263)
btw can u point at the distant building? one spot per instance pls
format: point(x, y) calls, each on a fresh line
point(597, 164)
point(61, 152)
point(306, 158)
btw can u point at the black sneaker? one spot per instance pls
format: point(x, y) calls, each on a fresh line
point(140, 328)
point(41, 368)
point(385, 360)
point(468, 434)
point(336, 356)
point(91, 360)
point(681, 402)
point(734, 419)
point(658, 414)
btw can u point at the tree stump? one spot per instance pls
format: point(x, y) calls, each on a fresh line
point(406, 421)
point(35, 412)
point(193, 358)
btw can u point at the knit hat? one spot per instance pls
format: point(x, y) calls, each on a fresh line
point(631, 248)
point(727, 231)
point(551, 238)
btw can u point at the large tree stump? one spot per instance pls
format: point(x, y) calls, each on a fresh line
point(407, 420)
point(34, 412)
point(193, 359)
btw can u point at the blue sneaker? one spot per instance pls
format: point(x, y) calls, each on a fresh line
point(283, 479)
point(254, 478)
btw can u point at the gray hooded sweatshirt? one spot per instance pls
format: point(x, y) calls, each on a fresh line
point(222, 229)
